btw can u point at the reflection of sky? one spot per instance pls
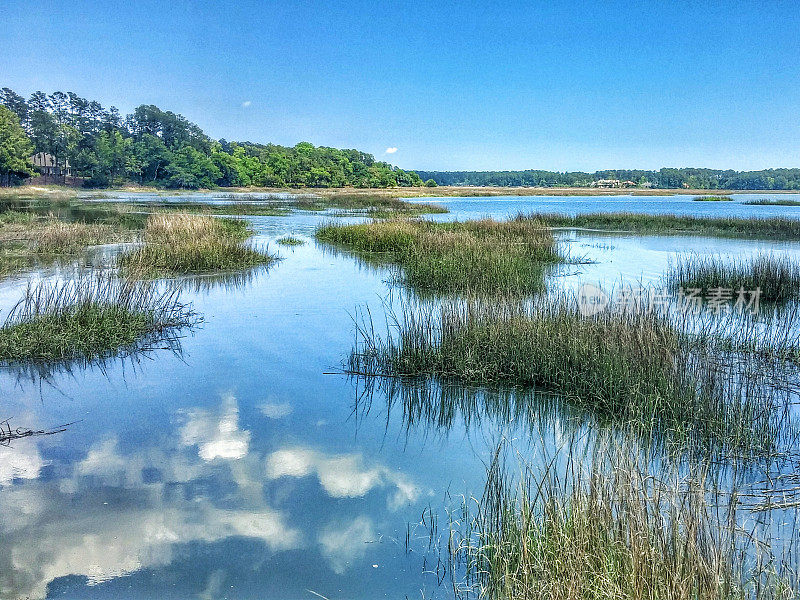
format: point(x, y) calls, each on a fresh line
point(126, 508)
point(242, 469)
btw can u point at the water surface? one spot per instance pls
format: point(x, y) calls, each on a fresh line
point(248, 466)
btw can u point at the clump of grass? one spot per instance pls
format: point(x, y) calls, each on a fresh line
point(484, 256)
point(14, 258)
point(777, 278)
point(70, 238)
point(622, 365)
point(376, 206)
point(769, 202)
point(92, 316)
point(599, 524)
point(290, 241)
point(757, 227)
point(712, 199)
point(180, 244)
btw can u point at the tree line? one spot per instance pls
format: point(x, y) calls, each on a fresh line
point(703, 179)
point(161, 148)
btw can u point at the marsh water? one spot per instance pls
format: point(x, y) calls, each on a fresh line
point(248, 465)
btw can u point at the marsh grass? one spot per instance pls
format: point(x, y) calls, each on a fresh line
point(769, 202)
point(33, 232)
point(373, 205)
point(666, 224)
point(14, 258)
point(484, 257)
point(290, 241)
point(691, 382)
point(777, 277)
point(92, 316)
point(712, 199)
point(71, 238)
point(181, 244)
point(596, 523)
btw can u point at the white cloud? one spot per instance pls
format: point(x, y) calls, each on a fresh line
point(273, 410)
point(341, 475)
point(246, 103)
point(391, 150)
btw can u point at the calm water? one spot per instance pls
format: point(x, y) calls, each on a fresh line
point(244, 468)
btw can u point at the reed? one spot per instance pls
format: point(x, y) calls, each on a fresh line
point(485, 257)
point(668, 224)
point(712, 199)
point(92, 316)
point(777, 277)
point(769, 202)
point(289, 240)
point(592, 523)
point(691, 381)
point(182, 244)
point(58, 237)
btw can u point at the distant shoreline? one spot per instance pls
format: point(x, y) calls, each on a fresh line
point(413, 192)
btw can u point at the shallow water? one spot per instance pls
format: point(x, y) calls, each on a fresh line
point(247, 467)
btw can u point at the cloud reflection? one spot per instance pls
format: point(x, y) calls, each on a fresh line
point(121, 507)
point(341, 475)
point(216, 436)
point(343, 544)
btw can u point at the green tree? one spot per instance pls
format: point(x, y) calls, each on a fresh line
point(15, 148)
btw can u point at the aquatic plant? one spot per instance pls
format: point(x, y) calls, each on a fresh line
point(777, 277)
point(486, 256)
point(676, 375)
point(69, 238)
point(93, 315)
point(595, 521)
point(770, 202)
point(669, 224)
point(289, 240)
point(181, 244)
point(712, 199)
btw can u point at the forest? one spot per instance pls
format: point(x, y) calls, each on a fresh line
point(164, 149)
point(703, 179)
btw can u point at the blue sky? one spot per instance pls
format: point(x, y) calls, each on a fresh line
point(562, 85)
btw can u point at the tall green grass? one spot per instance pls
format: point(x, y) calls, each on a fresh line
point(485, 256)
point(682, 380)
point(596, 523)
point(289, 240)
point(770, 202)
point(777, 277)
point(180, 244)
point(91, 316)
point(712, 199)
point(667, 224)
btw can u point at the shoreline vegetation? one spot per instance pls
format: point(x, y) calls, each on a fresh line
point(33, 190)
point(92, 316)
point(483, 257)
point(161, 149)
